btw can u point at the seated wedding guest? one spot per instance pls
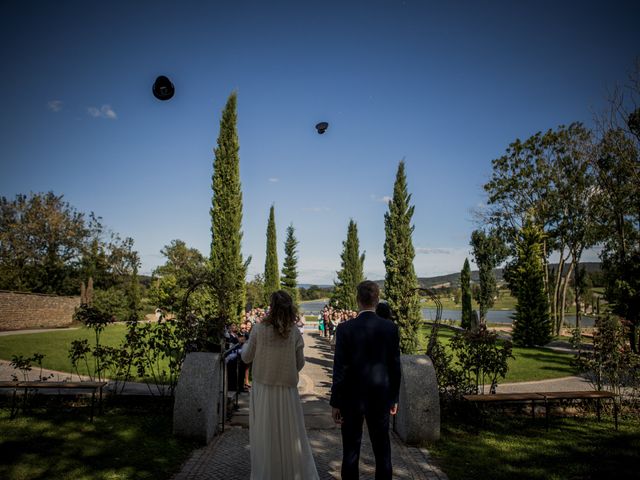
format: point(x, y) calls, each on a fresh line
point(235, 365)
point(247, 370)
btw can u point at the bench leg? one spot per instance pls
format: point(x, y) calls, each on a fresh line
point(615, 413)
point(598, 408)
point(14, 408)
point(546, 410)
point(93, 401)
point(533, 409)
point(24, 401)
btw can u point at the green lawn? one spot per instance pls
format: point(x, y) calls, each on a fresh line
point(55, 346)
point(505, 301)
point(506, 448)
point(66, 446)
point(529, 364)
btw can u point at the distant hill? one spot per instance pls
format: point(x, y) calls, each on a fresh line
point(453, 279)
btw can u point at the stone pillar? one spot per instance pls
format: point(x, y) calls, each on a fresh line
point(418, 419)
point(196, 409)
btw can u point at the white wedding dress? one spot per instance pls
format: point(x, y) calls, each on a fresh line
point(278, 440)
point(279, 445)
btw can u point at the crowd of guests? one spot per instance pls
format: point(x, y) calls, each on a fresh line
point(238, 373)
point(237, 370)
point(329, 319)
point(255, 315)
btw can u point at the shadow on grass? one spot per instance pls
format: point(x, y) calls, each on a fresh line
point(63, 445)
point(507, 448)
point(543, 358)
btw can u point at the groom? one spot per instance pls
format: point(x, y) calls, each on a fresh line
point(366, 382)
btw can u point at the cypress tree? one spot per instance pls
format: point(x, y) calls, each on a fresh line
point(400, 280)
point(228, 268)
point(465, 286)
point(489, 251)
point(351, 274)
point(290, 265)
point(525, 277)
point(271, 273)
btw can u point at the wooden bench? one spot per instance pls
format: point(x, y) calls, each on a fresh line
point(39, 385)
point(546, 399)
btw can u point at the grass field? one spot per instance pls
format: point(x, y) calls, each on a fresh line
point(505, 301)
point(529, 364)
point(45, 445)
point(55, 346)
point(505, 448)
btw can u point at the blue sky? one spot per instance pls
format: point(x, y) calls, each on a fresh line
point(444, 85)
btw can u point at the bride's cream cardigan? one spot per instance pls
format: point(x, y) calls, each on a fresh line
point(275, 360)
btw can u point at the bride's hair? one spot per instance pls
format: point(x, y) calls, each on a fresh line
point(282, 313)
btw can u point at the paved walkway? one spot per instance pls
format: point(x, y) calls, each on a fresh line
point(6, 333)
point(564, 384)
point(228, 457)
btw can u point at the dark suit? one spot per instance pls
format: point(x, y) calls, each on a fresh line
point(366, 383)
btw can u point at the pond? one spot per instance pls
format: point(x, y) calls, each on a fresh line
point(493, 316)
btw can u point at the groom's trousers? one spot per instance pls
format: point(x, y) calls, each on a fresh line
point(378, 426)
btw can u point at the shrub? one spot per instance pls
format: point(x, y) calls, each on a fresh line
point(477, 358)
point(611, 365)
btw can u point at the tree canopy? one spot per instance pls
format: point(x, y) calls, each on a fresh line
point(351, 273)
point(48, 246)
point(400, 282)
point(289, 279)
point(271, 271)
point(227, 265)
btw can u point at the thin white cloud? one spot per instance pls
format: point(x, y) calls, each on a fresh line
point(383, 199)
point(316, 209)
point(54, 105)
point(103, 112)
point(274, 180)
point(433, 251)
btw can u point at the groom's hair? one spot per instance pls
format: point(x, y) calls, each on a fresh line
point(368, 293)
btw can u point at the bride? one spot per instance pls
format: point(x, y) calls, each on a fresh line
point(279, 445)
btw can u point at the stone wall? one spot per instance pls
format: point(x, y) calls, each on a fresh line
point(29, 310)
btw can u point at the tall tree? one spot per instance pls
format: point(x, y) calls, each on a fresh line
point(351, 273)
point(290, 265)
point(489, 252)
point(549, 177)
point(525, 277)
point(228, 267)
point(400, 282)
point(255, 292)
point(576, 199)
point(42, 238)
point(134, 303)
point(183, 268)
point(522, 183)
point(465, 286)
point(271, 273)
point(618, 165)
point(47, 246)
